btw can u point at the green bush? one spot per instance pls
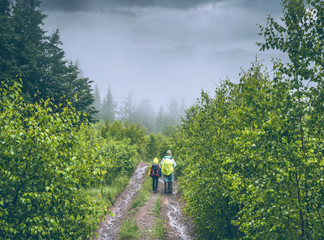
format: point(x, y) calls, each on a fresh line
point(48, 160)
point(252, 163)
point(134, 137)
point(131, 133)
point(157, 146)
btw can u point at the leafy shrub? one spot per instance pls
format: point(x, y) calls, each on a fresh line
point(45, 162)
point(252, 162)
point(123, 158)
point(133, 133)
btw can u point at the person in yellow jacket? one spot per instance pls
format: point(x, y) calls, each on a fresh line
point(155, 173)
point(168, 164)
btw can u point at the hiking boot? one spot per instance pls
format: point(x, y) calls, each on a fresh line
point(165, 187)
point(170, 187)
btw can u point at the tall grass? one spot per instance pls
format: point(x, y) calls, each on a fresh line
point(109, 192)
point(143, 194)
point(105, 196)
point(129, 230)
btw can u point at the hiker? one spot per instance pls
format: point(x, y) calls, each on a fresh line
point(168, 164)
point(155, 173)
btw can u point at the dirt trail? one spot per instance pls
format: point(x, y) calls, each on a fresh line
point(177, 226)
point(109, 227)
point(145, 215)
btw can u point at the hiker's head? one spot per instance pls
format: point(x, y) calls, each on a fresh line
point(169, 153)
point(155, 160)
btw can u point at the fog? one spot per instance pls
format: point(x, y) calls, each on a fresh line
point(160, 49)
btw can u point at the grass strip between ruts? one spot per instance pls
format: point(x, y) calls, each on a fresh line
point(158, 229)
point(129, 230)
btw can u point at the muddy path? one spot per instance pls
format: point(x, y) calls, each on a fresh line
point(176, 224)
point(108, 229)
point(145, 218)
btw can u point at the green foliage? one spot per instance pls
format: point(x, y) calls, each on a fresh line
point(46, 159)
point(132, 133)
point(108, 192)
point(49, 163)
point(104, 196)
point(158, 230)
point(252, 165)
point(27, 51)
point(157, 205)
point(122, 156)
point(252, 156)
point(157, 146)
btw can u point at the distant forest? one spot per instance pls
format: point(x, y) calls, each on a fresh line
point(142, 113)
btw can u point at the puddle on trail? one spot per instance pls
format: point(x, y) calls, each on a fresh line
point(175, 216)
point(110, 226)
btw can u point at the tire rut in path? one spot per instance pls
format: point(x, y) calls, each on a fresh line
point(108, 229)
point(178, 226)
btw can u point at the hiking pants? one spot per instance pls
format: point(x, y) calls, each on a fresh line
point(155, 183)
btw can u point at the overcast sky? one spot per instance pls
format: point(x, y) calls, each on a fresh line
point(160, 49)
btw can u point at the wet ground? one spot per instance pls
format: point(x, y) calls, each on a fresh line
point(110, 226)
point(176, 224)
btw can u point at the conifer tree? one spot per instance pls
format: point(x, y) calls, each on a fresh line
point(109, 106)
point(7, 36)
point(26, 51)
point(127, 111)
point(144, 115)
point(161, 120)
point(97, 102)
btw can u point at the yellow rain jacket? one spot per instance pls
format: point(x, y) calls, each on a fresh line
point(167, 167)
point(155, 161)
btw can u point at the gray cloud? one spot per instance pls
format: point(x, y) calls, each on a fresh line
point(65, 5)
point(116, 5)
point(261, 5)
point(89, 5)
point(149, 47)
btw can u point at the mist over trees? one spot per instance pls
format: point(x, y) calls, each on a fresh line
point(97, 102)
point(29, 53)
point(142, 113)
point(250, 159)
point(109, 107)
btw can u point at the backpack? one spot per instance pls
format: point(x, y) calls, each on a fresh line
point(167, 166)
point(155, 170)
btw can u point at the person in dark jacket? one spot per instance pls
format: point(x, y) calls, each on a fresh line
point(155, 173)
